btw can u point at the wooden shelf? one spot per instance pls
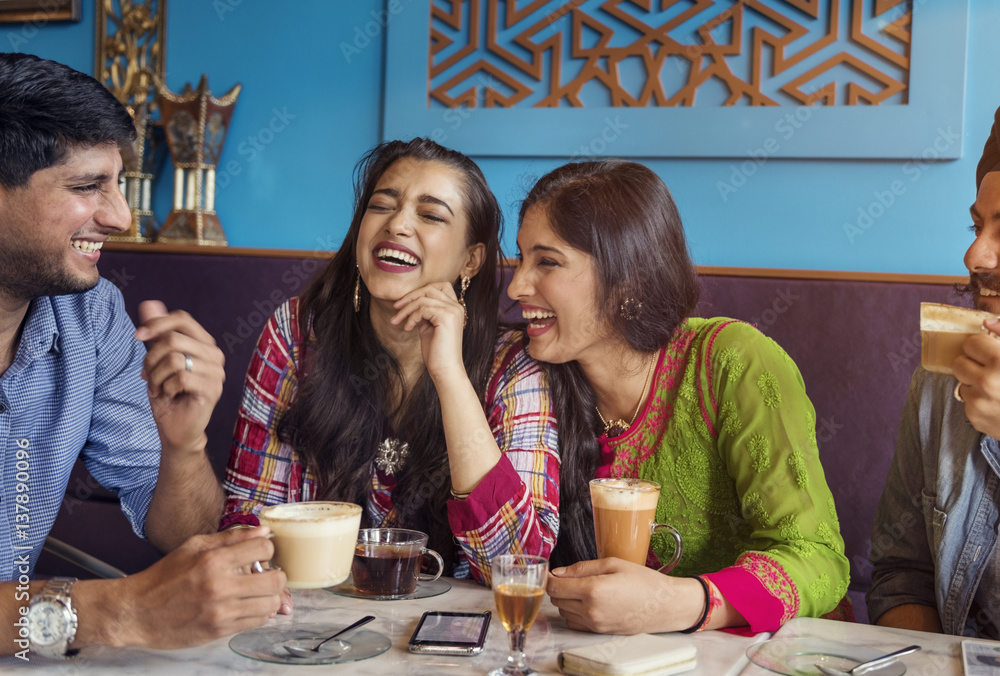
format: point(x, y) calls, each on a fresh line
point(712, 270)
point(208, 250)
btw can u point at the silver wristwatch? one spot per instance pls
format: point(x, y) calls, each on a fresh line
point(52, 619)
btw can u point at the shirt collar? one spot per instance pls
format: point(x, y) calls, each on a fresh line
point(41, 333)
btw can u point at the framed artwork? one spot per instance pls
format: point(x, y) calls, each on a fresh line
point(16, 11)
point(676, 78)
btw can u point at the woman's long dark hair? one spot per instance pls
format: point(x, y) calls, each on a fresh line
point(621, 214)
point(343, 407)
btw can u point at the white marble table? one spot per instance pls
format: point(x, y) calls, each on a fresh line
point(719, 654)
point(940, 655)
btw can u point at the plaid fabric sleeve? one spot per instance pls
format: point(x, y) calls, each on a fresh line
point(262, 470)
point(515, 508)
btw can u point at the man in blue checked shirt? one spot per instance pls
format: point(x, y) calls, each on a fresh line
point(76, 382)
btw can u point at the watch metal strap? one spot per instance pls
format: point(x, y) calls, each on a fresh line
point(58, 590)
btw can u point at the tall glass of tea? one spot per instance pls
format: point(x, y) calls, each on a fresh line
point(518, 590)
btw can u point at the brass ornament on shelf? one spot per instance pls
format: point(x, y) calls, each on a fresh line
point(195, 124)
point(131, 41)
point(138, 159)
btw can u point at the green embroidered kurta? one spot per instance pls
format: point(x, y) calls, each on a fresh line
point(730, 435)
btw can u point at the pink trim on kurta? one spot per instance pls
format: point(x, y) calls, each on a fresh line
point(484, 503)
point(708, 375)
point(774, 578)
point(749, 596)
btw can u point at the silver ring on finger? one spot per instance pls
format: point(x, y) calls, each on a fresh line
point(256, 567)
point(957, 394)
point(188, 363)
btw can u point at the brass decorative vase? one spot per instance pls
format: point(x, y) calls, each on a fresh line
point(131, 38)
point(195, 125)
point(138, 159)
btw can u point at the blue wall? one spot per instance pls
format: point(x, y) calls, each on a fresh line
point(295, 191)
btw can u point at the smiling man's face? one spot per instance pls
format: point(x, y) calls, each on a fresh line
point(52, 229)
point(983, 257)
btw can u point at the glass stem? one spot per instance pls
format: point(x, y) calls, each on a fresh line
point(516, 656)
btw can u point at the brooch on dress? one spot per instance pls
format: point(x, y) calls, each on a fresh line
point(391, 455)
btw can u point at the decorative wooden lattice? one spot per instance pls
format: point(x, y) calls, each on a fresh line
point(668, 53)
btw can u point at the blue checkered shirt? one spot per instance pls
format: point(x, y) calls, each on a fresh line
point(73, 391)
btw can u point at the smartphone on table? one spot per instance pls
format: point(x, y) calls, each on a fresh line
point(448, 633)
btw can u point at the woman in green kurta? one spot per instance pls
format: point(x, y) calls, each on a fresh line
point(711, 409)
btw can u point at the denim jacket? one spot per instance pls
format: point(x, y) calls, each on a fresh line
point(936, 524)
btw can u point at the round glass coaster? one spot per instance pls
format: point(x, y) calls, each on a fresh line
point(799, 657)
point(424, 590)
point(267, 644)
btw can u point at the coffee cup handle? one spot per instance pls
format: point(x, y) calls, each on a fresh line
point(664, 528)
point(440, 563)
point(258, 567)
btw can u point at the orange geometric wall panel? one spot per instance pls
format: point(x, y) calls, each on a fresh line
point(556, 64)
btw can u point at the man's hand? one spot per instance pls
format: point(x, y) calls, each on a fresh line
point(195, 594)
point(611, 596)
point(978, 372)
point(185, 371)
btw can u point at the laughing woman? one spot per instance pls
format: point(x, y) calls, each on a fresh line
point(388, 384)
point(711, 409)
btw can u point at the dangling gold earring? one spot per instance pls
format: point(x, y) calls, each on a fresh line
point(461, 300)
point(357, 291)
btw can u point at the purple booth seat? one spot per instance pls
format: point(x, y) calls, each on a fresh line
point(856, 343)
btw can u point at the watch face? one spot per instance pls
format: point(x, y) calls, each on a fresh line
point(48, 623)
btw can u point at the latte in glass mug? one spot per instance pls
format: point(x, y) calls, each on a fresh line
point(624, 520)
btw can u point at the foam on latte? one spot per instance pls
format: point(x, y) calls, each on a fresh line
point(626, 494)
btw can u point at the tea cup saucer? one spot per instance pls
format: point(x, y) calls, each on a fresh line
point(425, 589)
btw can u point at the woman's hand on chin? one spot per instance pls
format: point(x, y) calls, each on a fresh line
point(611, 596)
point(435, 312)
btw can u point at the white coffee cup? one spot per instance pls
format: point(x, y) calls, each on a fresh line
point(313, 541)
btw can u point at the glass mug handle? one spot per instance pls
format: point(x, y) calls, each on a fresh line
point(664, 528)
point(440, 563)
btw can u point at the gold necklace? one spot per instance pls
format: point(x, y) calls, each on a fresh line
point(618, 427)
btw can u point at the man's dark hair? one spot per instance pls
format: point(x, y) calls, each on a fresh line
point(46, 109)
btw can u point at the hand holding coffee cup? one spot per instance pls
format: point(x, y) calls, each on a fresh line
point(313, 541)
point(943, 331)
point(624, 520)
point(387, 561)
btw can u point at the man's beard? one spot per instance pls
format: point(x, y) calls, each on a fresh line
point(978, 280)
point(26, 274)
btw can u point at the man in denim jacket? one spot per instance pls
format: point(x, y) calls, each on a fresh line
point(936, 564)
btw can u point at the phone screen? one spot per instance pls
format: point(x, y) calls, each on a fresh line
point(451, 629)
point(981, 658)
